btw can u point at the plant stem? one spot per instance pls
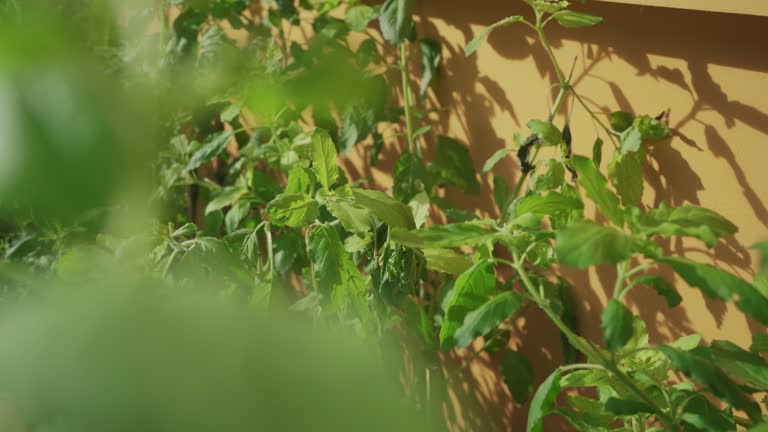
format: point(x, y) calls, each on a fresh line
point(270, 253)
point(622, 274)
point(586, 347)
point(406, 88)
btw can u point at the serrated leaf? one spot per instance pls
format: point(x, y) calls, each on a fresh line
point(651, 129)
point(359, 16)
point(518, 375)
point(631, 140)
point(336, 274)
point(225, 197)
point(471, 290)
point(353, 217)
point(487, 317)
point(419, 205)
point(543, 401)
point(616, 324)
point(446, 261)
point(573, 19)
point(212, 146)
point(691, 221)
point(431, 57)
point(323, 155)
point(596, 187)
point(443, 236)
point(740, 364)
point(719, 284)
point(293, 210)
point(553, 203)
point(583, 244)
point(409, 177)
point(662, 287)
point(547, 132)
point(395, 19)
point(703, 371)
point(626, 174)
point(475, 43)
point(494, 159)
point(300, 180)
point(385, 208)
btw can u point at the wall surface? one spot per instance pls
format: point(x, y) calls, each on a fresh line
point(710, 69)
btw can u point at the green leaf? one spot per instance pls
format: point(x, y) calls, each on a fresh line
point(225, 197)
point(621, 121)
point(335, 272)
point(552, 203)
point(651, 129)
point(354, 218)
point(518, 375)
point(396, 19)
point(662, 287)
point(597, 152)
point(409, 177)
point(487, 317)
point(431, 57)
point(631, 140)
point(583, 244)
point(763, 248)
point(548, 133)
point(212, 146)
point(300, 180)
point(616, 323)
point(552, 179)
point(443, 236)
point(236, 214)
point(494, 159)
point(719, 284)
point(759, 343)
point(573, 19)
point(738, 363)
point(626, 174)
point(293, 210)
point(453, 165)
point(475, 43)
point(701, 414)
point(543, 401)
point(446, 261)
point(359, 16)
point(472, 289)
point(625, 407)
point(391, 212)
point(703, 371)
point(690, 221)
point(501, 193)
point(419, 205)
point(323, 155)
point(596, 187)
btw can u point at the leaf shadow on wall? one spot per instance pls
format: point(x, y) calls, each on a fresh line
point(672, 178)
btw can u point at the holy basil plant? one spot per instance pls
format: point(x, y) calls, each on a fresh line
point(542, 223)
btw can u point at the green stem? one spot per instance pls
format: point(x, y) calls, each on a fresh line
point(586, 347)
point(622, 274)
point(611, 134)
point(406, 88)
point(270, 253)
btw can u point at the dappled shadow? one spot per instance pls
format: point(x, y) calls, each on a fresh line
point(475, 99)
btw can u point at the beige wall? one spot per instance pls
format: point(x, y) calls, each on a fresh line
point(708, 68)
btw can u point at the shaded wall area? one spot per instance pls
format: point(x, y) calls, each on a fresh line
point(709, 69)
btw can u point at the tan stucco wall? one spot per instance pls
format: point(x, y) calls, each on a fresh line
point(708, 68)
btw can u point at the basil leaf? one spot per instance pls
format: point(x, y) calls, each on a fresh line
point(487, 317)
point(471, 290)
